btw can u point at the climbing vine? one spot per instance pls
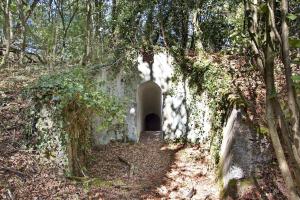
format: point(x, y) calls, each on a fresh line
point(65, 105)
point(216, 82)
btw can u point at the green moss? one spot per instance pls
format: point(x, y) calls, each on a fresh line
point(263, 130)
point(236, 187)
point(100, 183)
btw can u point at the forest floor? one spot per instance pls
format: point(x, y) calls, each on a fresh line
point(150, 169)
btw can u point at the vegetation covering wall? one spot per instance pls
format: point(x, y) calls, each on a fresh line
point(65, 105)
point(261, 37)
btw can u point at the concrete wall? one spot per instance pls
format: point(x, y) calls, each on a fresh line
point(167, 95)
point(243, 150)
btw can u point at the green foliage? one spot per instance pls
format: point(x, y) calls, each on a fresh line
point(296, 80)
point(291, 16)
point(76, 84)
point(294, 42)
point(213, 79)
point(238, 37)
point(65, 106)
point(215, 25)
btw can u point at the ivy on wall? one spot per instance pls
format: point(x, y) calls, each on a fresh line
point(65, 105)
point(216, 82)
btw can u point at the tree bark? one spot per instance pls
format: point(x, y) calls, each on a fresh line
point(265, 62)
point(289, 146)
point(196, 43)
point(66, 23)
point(7, 29)
point(271, 95)
point(251, 13)
point(87, 48)
point(292, 98)
point(23, 31)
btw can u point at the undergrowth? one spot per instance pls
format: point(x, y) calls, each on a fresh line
point(214, 79)
point(65, 105)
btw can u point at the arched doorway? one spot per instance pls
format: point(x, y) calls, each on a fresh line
point(152, 122)
point(149, 107)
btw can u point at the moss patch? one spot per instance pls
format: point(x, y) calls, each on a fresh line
point(236, 188)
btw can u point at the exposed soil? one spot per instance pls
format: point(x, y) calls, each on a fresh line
point(152, 170)
point(147, 170)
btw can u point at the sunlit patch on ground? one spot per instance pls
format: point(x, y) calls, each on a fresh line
point(152, 169)
point(189, 177)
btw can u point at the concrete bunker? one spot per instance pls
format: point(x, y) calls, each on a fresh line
point(149, 107)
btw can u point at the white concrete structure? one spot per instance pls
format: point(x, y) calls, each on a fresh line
point(149, 101)
point(166, 98)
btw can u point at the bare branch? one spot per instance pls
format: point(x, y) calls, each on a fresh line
point(18, 173)
point(32, 7)
point(72, 17)
point(273, 24)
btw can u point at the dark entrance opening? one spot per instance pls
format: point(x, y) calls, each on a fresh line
point(152, 122)
point(149, 107)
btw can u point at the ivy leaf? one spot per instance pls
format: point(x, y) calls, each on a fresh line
point(296, 62)
point(291, 16)
point(294, 42)
point(263, 8)
point(296, 77)
point(13, 7)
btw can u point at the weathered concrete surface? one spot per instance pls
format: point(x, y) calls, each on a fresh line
point(50, 137)
point(167, 95)
point(242, 151)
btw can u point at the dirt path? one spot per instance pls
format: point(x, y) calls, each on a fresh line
point(151, 170)
point(147, 170)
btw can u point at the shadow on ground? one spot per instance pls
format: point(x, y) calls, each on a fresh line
point(131, 171)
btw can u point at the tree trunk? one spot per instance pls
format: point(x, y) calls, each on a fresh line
point(53, 47)
point(251, 13)
point(265, 62)
point(196, 43)
point(271, 95)
point(23, 31)
point(284, 168)
point(7, 28)
point(113, 17)
point(292, 99)
point(87, 49)
point(290, 147)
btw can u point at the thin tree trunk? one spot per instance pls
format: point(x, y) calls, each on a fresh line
point(289, 146)
point(271, 95)
point(87, 49)
point(292, 99)
point(92, 33)
point(252, 15)
point(284, 168)
point(23, 31)
point(7, 32)
point(259, 59)
point(196, 43)
point(265, 62)
point(54, 47)
point(114, 17)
